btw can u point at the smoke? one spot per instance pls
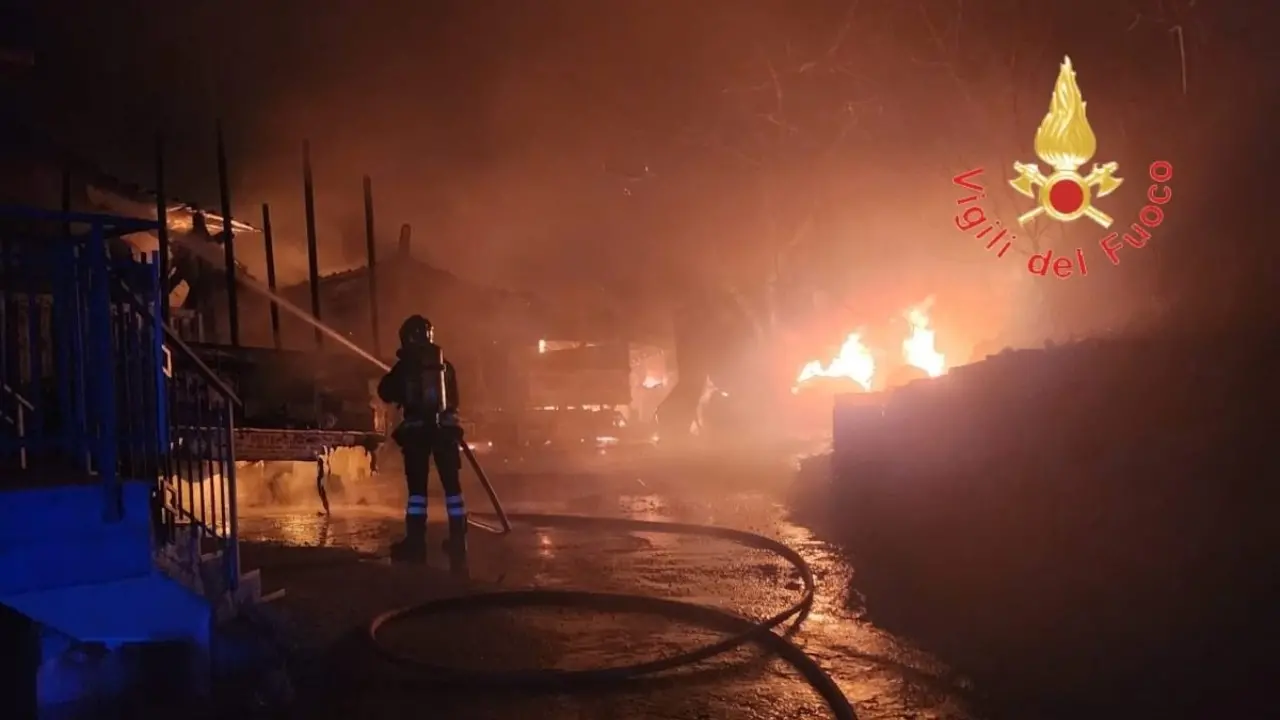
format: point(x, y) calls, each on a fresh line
point(496, 127)
point(212, 255)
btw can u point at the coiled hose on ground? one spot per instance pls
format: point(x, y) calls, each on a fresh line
point(743, 630)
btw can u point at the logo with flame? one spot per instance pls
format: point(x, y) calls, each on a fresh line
point(1065, 142)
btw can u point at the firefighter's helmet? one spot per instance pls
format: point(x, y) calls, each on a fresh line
point(417, 331)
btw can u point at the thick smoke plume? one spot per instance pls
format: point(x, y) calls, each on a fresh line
point(625, 152)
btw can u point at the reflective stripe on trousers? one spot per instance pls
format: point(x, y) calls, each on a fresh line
point(455, 506)
point(417, 505)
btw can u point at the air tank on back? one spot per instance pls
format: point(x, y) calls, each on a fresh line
point(427, 392)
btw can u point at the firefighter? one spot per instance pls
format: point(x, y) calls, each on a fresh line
point(425, 387)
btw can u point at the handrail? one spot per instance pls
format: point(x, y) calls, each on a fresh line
point(197, 437)
point(18, 396)
point(19, 422)
point(116, 222)
point(208, 374)
point(171, 335)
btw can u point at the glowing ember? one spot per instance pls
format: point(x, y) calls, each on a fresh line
point(919, 349)
point(854, 361)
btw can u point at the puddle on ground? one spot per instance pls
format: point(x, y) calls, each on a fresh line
point(884, 676)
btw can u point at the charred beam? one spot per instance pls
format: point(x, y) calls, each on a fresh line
point(162, 232)
point(406, 236)
point(271, 274)
point(66, 201)
point(313, 264)
point(372, 253)
point(228, 242)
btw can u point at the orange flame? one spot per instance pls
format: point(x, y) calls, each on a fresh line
point(919, 349)
point(854, 361)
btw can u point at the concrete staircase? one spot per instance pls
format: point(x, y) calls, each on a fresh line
point(95, 564)
point(64, 566)
point(90, 583)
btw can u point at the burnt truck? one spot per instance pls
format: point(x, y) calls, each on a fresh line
point(563, 394)
point(567, 392)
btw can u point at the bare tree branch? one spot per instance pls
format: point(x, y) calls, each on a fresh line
point(1035, 234)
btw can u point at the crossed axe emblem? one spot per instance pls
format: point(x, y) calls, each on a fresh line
point(1100, 182)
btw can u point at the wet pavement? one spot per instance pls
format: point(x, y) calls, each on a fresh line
point(330, 591)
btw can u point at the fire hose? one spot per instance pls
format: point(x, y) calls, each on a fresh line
point(742, 630)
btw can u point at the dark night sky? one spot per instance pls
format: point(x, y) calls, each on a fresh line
point(506, 130)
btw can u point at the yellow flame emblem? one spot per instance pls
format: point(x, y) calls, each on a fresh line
point(1065, 142)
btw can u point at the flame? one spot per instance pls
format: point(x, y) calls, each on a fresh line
point(919, 349)
point(854, 361)
point(1065, 140)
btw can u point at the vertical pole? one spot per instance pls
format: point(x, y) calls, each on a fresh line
point(102, 423)
point(66, 202)
point(65, 297)
point(271, 274)
point(228, 242)
point(406, 237)
point(313, 267)
point(372, 253)
point(233, 511)
point(163, 370)
point(78, 349)
point(9, 372)
point(162, 232)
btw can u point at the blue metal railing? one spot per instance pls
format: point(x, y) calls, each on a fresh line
point(199, 486)
point(48, 339)
point(93, 382)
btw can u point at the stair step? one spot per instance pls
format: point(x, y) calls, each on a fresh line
point(93, 555)
point(207, 579)
point(249, 590)
point(142, 609)
point(41, 512)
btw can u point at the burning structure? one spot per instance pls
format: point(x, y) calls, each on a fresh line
point(518, 387)
point(857, 367)
point(303, 392)
point(297, 397)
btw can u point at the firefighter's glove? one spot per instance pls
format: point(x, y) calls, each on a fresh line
point(449, 422)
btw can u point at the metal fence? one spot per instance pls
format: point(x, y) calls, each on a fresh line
point(198, 487)
point(188, 324)
point(94, 385)
point(55, 422)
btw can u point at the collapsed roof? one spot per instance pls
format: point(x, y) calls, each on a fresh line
point(36, 167)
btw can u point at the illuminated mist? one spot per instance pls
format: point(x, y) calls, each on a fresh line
point(795, 156)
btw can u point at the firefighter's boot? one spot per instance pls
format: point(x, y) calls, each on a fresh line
point(455, 547)
point(413, 548)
